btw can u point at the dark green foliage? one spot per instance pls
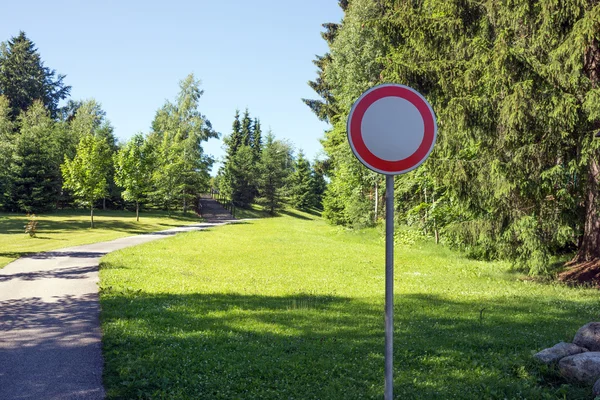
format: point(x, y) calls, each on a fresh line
point(301, 184)
point(234, 141)
point(34, 170)
point(318, 184)
point(257, 144)
point(24, 78)
point(246, 132)
point(274, 168)
point(238, 178)
point(7, 144)
point(515, 89)
point(241, 175)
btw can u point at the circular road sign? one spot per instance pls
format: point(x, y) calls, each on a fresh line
point(391, 129)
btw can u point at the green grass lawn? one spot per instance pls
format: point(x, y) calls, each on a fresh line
point(292, 308)
point(72, 228)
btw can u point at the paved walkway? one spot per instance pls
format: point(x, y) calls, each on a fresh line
point(50, 338)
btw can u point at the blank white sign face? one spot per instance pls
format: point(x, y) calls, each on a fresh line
point(393, 128)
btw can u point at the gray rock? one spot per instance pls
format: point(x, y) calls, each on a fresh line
point(555, 353)
point(584, 367)
point(596, 388)
point(588, 336)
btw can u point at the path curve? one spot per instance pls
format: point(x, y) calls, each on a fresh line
point(50, 338)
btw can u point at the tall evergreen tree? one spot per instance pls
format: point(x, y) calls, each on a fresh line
point(238, 177)
point(7, 148)
point(325, 108)
point(516, 107)
point(235, 140)
point(301, 185)
point(257, 145)
point(35, 163)
point(246, 133)
point(24, 78)
point(274, 169)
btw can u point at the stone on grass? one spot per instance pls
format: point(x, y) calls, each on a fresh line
point(596, 388)
point(588, 336)
point(555, 353)
point(583, 367)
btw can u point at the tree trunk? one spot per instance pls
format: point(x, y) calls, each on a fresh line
point(589, 244)
point(184, 202)
point(589, 248)
point(92, 214)
point(104, 203)
point(137, 211)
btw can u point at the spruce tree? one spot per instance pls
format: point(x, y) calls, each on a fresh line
point(274, 169)
point(246, 132)
point(34, 169)
point(257, 145)
point(238, 180)
point(24, 78)
point(301, 185)
point(7, 148)
point(514, 168)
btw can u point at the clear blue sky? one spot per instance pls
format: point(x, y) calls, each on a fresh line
point(130, 56)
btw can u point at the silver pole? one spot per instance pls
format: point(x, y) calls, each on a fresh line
point(389, 287)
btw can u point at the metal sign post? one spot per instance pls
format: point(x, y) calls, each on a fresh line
point(389, 286)
point(391, 130)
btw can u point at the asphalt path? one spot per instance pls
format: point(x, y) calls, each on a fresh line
point(50, 338)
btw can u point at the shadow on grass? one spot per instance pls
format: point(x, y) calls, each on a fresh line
point(315, 347)
point(14, 223)
point(294, 214)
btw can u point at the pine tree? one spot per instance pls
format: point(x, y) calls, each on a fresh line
point(35, 174)
point(301, 194)
point(238, 178)
point(352, 66)
point(24, 78)
point(257, 145)
point(234, 141)
point(7, 148)
point(325, 108)
point(246, 132)
point(514, 166)
point(274, 169)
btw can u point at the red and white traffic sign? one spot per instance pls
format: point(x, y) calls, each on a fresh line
point(391, 129)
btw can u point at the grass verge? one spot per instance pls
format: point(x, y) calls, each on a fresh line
point(72, 228)
point(290, 307)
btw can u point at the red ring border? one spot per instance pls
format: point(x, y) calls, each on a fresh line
point(358, 145)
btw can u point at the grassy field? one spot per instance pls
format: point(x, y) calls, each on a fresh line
point(72, 228)
point(291, 308)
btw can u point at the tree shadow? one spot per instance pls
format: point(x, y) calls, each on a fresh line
point(14, 223)
point(295, 214)
point(61, 273)
point(228, 345)
point(50, 348)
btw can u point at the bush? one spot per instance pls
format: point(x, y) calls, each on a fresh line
point(31, 226)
